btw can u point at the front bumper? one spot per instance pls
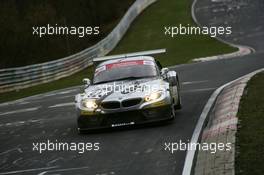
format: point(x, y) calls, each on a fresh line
point(126, 118)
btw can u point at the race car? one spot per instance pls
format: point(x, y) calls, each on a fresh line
point(127, 90)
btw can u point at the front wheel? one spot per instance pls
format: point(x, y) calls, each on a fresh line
point(173, 111)
point(178, 104)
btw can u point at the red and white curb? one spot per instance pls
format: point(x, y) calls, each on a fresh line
point(225, 118)
point(243, 50)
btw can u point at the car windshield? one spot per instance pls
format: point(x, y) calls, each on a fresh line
point(122, 70)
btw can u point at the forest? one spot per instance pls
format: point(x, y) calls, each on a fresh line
point(19, 47)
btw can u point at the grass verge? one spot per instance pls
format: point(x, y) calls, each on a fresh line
point(250, 140)
point(147, 33)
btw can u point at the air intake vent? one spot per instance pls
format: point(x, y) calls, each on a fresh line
point(131, 102)
point(110, 105)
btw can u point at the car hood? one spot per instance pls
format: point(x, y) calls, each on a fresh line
point(126, 89)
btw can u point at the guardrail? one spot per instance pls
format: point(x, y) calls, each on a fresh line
point(22, 77)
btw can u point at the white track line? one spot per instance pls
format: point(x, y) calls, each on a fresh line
point(19, 123)
point(62, 105)
point(39, 95)
point(194, 82)
point(188, 164)
point(198, 90)
point(27, 170)
point(20, 111)
point(63, 170)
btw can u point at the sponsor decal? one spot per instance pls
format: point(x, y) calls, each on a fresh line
point(123, 64)
point(122, 124)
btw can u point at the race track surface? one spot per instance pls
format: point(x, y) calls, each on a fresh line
point(244, 16)
point(139, 151)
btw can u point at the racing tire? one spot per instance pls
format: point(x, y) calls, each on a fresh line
point(173, 114)
point(178, 105)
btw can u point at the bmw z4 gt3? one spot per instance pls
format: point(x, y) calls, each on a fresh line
point(128, 91)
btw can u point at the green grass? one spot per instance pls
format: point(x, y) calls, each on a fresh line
point(147, 33)
point(250, 136)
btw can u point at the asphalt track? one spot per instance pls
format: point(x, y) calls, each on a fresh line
point(52, 117)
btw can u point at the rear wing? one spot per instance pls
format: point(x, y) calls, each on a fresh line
point(96, 61)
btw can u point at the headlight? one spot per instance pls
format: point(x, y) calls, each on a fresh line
point(90, 103)
point(153, 96)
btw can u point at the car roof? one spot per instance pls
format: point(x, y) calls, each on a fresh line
point(144, 58)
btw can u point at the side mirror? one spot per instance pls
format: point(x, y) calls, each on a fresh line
point(87, 82)
point(164, 72)
point(172, 78)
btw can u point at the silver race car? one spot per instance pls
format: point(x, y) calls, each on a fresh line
point(128, 90)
